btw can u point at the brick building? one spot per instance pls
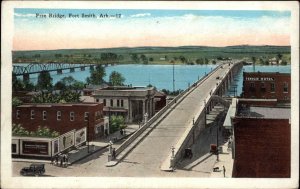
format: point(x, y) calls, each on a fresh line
point(62, 117)
point(266, 85)
point(261, 140)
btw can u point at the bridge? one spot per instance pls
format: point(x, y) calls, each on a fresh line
point(25, 71)
point(160, 142)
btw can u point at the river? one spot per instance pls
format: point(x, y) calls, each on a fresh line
point(161, 76)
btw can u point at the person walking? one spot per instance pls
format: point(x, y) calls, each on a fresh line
point(61, 161)
point(64, 160)
point(224, 171)
point(67, 160)
point(56, 159)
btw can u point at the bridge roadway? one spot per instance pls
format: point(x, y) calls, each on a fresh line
point(155, 148)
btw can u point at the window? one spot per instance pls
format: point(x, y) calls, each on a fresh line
point(118, 103)
point(252, 87)
point(262, 87)
point(272, 87)
point(58, 115)
point(72, 116)
point(122, 103)
point(285, 87)
point(13, 148)
point(111, 102)
point(104, 102)
point(86, 116)
point(18, 114)
point(97, 99)
point(44, 115)
point(32, 114)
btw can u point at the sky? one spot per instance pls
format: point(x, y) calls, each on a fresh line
point(142, 27)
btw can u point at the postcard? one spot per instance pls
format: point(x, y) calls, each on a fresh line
point(149, 94)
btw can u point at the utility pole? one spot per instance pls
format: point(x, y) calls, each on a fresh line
point(218, 141)
point(173, 77)
point(88, 132)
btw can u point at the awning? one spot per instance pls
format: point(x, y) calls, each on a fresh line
point(106, 109)
point(230, 113)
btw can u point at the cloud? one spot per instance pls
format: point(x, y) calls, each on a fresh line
point(140, 15)
point(24, 15)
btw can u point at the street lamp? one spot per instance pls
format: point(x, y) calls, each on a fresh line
point(204, 113)
point(88, 131)
point(217, 141)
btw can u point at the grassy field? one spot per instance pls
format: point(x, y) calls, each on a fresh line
point(154, 55)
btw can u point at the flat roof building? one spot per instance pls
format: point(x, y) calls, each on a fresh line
point(267, 85)
point(62, 117)
point(261, 140)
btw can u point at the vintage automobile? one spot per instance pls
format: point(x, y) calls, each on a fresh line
point(34, 169)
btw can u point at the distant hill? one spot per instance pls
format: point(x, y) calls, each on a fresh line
point(157, 55)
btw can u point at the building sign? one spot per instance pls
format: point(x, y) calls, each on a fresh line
point(31, 147)
point(259, 79)
point(66, 141)
point(80, 136)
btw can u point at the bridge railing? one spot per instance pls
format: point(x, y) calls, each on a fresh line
point(176, 100)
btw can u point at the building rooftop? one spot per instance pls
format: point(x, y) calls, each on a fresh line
point(266, 73)
point(57, 104)
point(127, 88)
point(264, 112)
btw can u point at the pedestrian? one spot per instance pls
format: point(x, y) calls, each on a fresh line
point(113, 153)
point(64, 160)
point(56, 159)
point(61, 161)
point(52, 160)
point(224, 171)
point(67, 160)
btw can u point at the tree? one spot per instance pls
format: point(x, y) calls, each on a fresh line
point(284, 63)
point(60, 86)
point(253, 60)
point(16, 101)
point(116, 78)
point(62, 97)
point(261, 61)
point(44, 81)
point(116, 123)
point(214, 62)
point(182, 59)
point(206, 61)
point(200, 61)
point(151, 59)
point(97, 75)
point(144, 59)
point(78, 85)
point(134, 58)
point(18, 130)
point(279, 57)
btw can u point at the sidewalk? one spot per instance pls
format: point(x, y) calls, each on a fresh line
point(225, 159)
point(95, 146)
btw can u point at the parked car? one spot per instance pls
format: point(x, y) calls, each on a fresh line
point(34, 169)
